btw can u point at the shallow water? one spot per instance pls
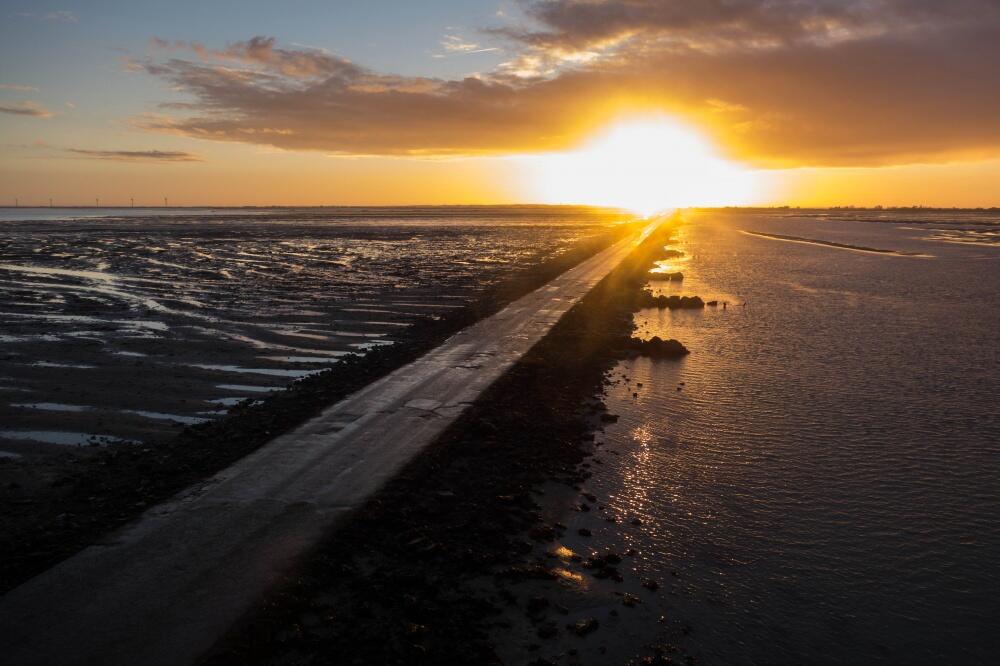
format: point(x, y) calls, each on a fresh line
point(148, 318)
point(823, 471)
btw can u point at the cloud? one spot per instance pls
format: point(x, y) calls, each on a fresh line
point(456, 44)
point(62, 16)
point(135, 155)
point(261, 53)
point(713, 25)
point(26, 109)
point(778, 82)
point(19, 88)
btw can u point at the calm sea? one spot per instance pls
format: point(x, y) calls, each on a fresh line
point(823, 471)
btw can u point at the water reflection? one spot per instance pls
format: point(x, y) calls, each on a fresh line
point(820, 471)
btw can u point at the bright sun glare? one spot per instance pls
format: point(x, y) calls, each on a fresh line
point(644, 166)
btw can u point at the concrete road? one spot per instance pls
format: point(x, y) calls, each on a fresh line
point(164, 589)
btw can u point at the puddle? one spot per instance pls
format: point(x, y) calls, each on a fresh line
point(274, 372)
point(354, 334)
point(47, 337)
point(299, 359)
point(51, 406)
point(160, 416)
point(370, 345)
point(228, 402)
point(55, 437)
point(89, 275)
point(249, 388)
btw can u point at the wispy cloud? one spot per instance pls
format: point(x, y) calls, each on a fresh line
point(136, 155)
point(26, 109)
point(17, 87)
point(456, 44)
point(62, 16)
point(57, 16)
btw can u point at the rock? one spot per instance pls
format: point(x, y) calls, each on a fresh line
point(585, 626)
point(651, 585)
point(669, 277)
point(656, 347)
point(648, 300)
point(584, 532)
point(712, 304)
point(630, 600)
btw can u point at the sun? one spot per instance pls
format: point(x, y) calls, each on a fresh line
point(644, 165)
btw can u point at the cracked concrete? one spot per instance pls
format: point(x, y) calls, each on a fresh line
point(163, 589)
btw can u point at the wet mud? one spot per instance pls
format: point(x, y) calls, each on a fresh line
point(132, 328)
point(53, 505)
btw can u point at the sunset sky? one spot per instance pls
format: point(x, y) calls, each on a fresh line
point(801, 102)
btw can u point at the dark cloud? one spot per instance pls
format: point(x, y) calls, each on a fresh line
point(136, 155)
point(809, 82)
point(747, 24)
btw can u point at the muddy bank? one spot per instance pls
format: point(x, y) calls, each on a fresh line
point(842, 246)
point(456, 548)
point(54, 507)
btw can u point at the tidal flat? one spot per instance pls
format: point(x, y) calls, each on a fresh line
point(130, 327)
point(61, 494)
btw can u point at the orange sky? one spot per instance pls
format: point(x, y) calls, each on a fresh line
point(863, 102)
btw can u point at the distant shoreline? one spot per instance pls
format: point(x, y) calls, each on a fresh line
point(542, 206)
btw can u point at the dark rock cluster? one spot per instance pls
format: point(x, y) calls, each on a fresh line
point(656, 347)
point(648, 300)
